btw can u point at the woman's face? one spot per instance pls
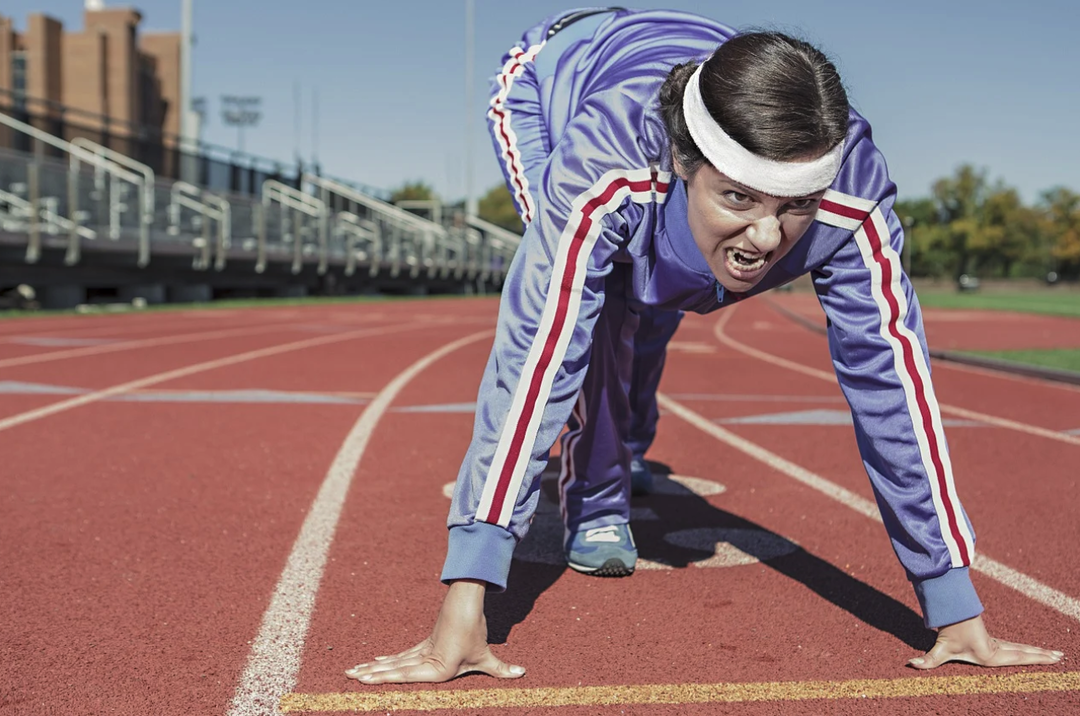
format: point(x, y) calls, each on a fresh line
point(741, 232)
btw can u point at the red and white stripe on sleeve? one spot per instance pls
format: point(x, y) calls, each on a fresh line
point(504, 133)
point(557, 324)
point(872, 235)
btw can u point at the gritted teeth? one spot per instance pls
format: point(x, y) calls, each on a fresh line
point(748, 260)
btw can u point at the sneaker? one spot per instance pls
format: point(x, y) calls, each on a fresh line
point(603, 551)
point(641, 480)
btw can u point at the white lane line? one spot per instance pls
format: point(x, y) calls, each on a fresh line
point(142, 343)
point(129, 324)
point(1006, 376)
point(1031, 588)
point(130, 386)
point(275, 655)
point(1035, 430)
point(759, 398)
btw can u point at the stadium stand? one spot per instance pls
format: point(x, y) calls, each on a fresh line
point(79, 220)
point(101, 200)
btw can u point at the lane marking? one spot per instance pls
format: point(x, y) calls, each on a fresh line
point(760, 398)
point(18, 387)
point(142, 343)
point(1006, 376)
point(59, 342)
point(130, 326)
point(807, 321)
point(238, 396)
point(691, 347)
point(552, 697)
point(54, 408)
point(721, 335)
point(820, 417)
point(275, 654)
point(1029, 587)
point(444, 408)
point(132, 323)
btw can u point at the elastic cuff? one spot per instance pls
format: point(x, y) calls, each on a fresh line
point(479, 551)
point(947, 599)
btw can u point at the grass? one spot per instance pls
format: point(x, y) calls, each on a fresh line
point(1060, 358)
point(1049, 302)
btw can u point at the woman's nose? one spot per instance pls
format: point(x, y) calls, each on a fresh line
point(765, 233)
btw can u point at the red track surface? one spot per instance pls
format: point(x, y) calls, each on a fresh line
point(142, 541)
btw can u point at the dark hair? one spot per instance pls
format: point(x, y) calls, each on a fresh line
point(779, 97)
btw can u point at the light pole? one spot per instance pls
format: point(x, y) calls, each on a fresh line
point(188, 119)
point(470, 14)
point(240, 112)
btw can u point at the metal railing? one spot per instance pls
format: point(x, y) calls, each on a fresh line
point(86, 192)
point(117, 175)
point(501, 246)
point(292, 201)
point(21, 216)
point(352, 228)
point(207, 208)
point(409, 239)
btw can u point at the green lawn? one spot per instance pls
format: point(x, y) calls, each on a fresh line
point(1052, 302)
point(1060, 358)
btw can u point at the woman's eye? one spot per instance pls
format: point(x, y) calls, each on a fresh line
point(737, 198)
point(802, 204)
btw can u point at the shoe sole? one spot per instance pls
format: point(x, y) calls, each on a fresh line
point(614, 567)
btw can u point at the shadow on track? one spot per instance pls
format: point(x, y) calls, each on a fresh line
point(686, 524)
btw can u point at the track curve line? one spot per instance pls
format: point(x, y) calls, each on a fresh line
point(1029, 587)
point(275, 654)
point(724, 338)
point(15, 337)
point(71, 403)
point(141, 343)
point(940, 360)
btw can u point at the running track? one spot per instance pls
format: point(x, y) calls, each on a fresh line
point(217, 512)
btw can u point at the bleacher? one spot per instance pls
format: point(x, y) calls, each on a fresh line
point(82, 222)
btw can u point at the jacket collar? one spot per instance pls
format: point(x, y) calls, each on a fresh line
point(677, 228)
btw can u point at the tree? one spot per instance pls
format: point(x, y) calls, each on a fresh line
point(958, 200)
point(497, 206)
point(981, 227)
point(1061, 219)
point(1009, 232)
point(929, 257)
point(413, 191)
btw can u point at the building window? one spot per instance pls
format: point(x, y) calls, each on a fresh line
point(18, 79)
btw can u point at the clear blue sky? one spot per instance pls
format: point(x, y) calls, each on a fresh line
point(944, 82)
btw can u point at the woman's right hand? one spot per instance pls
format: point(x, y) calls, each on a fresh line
point(457, 645)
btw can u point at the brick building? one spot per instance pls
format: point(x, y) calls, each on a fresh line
point(106, 77)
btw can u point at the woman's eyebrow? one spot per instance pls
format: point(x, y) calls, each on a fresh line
point(742, 188)
point(756, 195)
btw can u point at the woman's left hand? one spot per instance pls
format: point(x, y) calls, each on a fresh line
point(969, 641)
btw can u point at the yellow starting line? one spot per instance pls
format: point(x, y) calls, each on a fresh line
point(681, 693)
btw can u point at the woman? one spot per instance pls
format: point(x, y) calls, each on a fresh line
point(664, 163)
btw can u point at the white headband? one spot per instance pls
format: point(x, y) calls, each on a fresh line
point(735, 161)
